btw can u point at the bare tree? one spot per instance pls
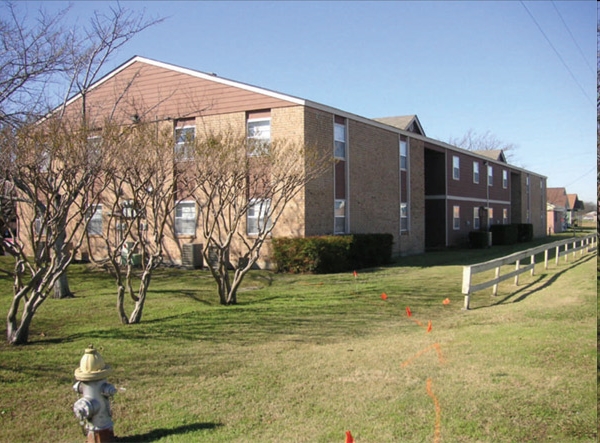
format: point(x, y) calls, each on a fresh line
point(473, 141)
point(242, 190)
point(52, 173)
point(46, 165)
point(139, 199)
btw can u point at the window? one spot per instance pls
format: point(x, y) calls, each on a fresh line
point(259, 136)
point(475, 172)
point(128, 210)
point(185, 218)
point(403, 217)
point(94, 148)
point(184, 139)
point(340, 217)
point(257, 220)
point(456, 217)
point(455, 167)
point(403, 155)
point(339, 136)
point(490, 174)
point(504, 216)
point(504, 178)
point(94, 218)
point(490, 216)
point(476, 222)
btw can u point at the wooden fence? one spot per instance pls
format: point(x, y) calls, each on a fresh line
point(563, 248)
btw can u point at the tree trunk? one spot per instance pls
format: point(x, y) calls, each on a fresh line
point(136, 315)
point(120, 302)
point(19, 334)
point(61, 288)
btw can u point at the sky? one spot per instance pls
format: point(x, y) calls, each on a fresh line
point(524, 71)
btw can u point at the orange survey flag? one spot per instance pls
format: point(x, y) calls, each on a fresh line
point(349, 438)
point(447, 301)
point(355, 274)
point(384, 296)
point(408, 311)
point(429, 326)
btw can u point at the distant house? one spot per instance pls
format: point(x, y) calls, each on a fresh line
point(575, 211)
point(557, 210)
point(389, 177)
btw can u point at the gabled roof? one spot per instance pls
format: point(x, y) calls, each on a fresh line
point(574, 203)
point(408, 123)
point(494, 154)
point(558, 198)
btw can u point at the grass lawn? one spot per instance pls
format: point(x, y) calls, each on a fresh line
point(305, 358)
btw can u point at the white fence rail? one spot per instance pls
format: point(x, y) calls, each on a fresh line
point(563, 248)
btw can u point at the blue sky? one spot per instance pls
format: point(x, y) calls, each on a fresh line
point(458, 65)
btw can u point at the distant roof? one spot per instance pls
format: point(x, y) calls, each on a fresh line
point(557, 197)
point(494, 154)
point(574, 203)
point(409, 123)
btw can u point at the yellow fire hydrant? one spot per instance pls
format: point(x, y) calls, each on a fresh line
point(93, 408)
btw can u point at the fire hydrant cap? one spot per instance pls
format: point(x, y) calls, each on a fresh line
point(92, 366)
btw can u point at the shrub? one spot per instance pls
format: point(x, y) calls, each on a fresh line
point(478, 239)
point(330, 254)
point(504, 234)
point(525, 232)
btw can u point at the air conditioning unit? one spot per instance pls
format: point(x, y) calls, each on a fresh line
point(191, 255)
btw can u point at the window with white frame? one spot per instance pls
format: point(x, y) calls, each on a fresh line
point(185, 218)
point(476, 222)
point(257, 218)
point(340, 217)
point(403, 155)
point(339, 137)
point(504, 178)
point(259, 136)
point(456, 217)
point(475, 172)
point(184, 142)
point(94, 218)
point(490, 175)
point(505, 216)
point(455, 167)
point(94, 148)
point(403, 217)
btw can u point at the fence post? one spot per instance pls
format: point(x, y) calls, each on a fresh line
point(533, 265)
point(495, 289)
point(546, 259)
point(557, 255)
point(517, 276)
point(466, 287)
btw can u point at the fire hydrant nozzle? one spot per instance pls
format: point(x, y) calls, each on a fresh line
point(93, 408)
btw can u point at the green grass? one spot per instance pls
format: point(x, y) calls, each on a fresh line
point(304, 358)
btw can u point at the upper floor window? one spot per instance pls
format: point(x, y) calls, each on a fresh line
point(184, 142)
point(403, 155)
point(185, 218)
point(490, 175)
point(259, 136)
point(475, 172)
point(455, 167)
point(339, 136)
point(257, 219)
point(504, 178)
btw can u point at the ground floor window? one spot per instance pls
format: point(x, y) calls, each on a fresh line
point(403, 217)
point(505, 216)
point(340, 217)
point(185, 218)
point(257, 219)
point(476, 222)
point(94, 216)
point(456, 217)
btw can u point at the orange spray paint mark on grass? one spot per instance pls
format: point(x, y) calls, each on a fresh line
point(438, 412)
point(435, 346)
